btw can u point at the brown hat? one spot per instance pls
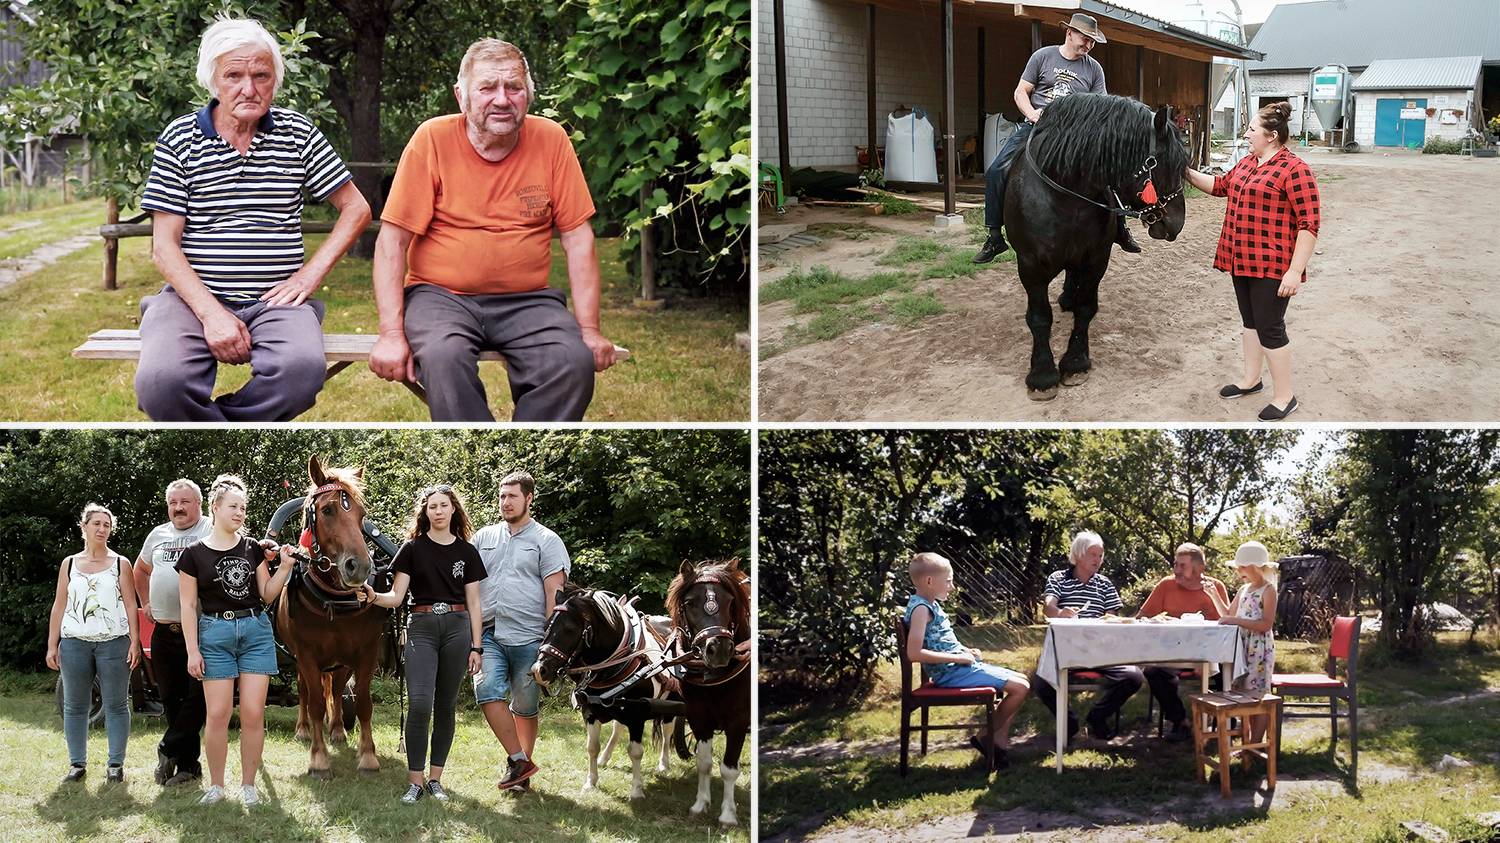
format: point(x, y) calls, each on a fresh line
point(1086, 26)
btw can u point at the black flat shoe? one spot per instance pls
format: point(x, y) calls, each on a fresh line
point(980, 747)
point(1272, 413)
point(166, 767)
point(114, 774)
point(1233, 391)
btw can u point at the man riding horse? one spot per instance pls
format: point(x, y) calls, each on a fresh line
point(1051, 73)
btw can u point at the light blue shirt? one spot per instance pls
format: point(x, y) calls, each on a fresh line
point(513, 598)
point(938, 637)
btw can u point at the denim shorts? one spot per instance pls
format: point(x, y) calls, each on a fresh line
point(979, 675)
point(242, 645)
point(507, 675)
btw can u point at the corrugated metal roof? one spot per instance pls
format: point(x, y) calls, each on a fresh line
point(1356, 33)
point(1458, 72)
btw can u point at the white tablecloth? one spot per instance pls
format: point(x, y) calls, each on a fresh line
point(1075, 642)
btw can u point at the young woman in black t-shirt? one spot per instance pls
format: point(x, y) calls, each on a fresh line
point(442, 571)
point(225, 586)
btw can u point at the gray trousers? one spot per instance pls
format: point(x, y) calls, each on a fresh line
point(551, 370)
point(175, 378)
point(437, 659)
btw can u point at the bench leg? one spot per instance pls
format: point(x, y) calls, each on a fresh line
point(924, 730)
point(1225, 760)
point(335, 369)
point(416, 389)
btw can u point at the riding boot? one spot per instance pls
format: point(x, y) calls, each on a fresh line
point(993, 247)
point(1122, 236)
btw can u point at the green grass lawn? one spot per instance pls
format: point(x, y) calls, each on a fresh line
point(22, 233)
point(684, 366)
point(35, 806)
point(1402, 736)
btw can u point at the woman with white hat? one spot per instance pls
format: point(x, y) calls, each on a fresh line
point(1254, 611)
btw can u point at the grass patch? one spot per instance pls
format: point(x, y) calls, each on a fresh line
point(913, 250)
point(956, 264)
point(1153, 780)
point(684, 365)
point(846, 230)
point(910, 308)
point(350, 806)
point(814, 290)
point(893, 205)
point(23, 233)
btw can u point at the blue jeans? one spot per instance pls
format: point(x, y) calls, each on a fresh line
point(232, 647)
point(507, 675)
point(998, 171)
point(81, 661)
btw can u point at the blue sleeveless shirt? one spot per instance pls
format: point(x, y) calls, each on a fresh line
point(939, 636)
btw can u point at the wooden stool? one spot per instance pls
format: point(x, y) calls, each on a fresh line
point(1215, 710)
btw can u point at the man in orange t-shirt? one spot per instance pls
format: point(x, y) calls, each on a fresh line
point(462, 261)
point(1184, 592)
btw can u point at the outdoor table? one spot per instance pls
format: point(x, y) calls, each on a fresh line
point(1093, 642)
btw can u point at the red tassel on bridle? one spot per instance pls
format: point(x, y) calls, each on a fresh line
point(1148, 193)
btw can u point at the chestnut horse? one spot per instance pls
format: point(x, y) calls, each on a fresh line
point(710, 607)
point(322, 622)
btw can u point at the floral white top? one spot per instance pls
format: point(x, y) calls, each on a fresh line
point(96, 609)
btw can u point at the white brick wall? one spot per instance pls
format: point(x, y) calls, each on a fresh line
point(1292, 86)
point(826, 77)
point(1364, 113)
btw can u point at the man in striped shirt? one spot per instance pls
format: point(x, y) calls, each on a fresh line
point(1082, 592)
point(225, 195)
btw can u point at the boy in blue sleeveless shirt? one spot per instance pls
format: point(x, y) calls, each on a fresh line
point(947, 663)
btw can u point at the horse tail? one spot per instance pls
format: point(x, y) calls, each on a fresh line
point(679, 738)
point(328, 699)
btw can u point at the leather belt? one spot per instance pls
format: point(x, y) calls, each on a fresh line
point(238, 614)
point(439, 608)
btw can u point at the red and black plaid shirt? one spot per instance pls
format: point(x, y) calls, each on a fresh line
point(1268, 204)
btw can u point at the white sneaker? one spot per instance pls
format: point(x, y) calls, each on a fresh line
point(213, 795)
point(248, 795)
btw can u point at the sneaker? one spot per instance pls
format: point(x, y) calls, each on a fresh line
point(1273, 413)
point(182, 777)
point(165, 767)
point(114, 773)
point(75, 773)
point(413, 793)
point(248, 796)
point(994, 246)
point(213, 795)
point(517, 772)
point(435, 788)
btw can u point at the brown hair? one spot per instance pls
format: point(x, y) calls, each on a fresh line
point(459, 525)
point(522, 479)
point(1191, 551)
point(1274, 117)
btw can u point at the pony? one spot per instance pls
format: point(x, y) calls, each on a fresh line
point(1090, 158)
point(709, 604)
point(320, 619)
point(615, 655)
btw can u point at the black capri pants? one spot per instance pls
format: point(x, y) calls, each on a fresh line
point(1261, 310)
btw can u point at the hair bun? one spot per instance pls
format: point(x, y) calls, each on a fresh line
point(1284, 109)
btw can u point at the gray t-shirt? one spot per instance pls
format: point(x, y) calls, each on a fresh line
point(517, 564)
point(1055, 77)
point(162, 547)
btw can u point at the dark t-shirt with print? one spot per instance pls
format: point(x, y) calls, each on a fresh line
point(438, 571)
point(226, 578)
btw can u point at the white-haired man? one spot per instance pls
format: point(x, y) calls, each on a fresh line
point(225, 196)
point(156, 575)
point(1082, 592)
point(462, 261)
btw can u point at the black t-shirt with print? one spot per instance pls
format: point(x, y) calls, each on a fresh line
point(438, 571)
point(226, 578)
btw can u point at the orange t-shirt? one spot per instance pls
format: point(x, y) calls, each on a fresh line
point(1177, 601)
point(481, 226)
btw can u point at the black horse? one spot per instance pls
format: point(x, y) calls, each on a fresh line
point(1091, 158)
point(614, 653)
point(710, 608)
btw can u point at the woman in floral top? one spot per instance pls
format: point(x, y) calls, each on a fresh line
point(93, 633)
point(1270, 226)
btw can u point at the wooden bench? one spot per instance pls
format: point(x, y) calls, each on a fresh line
point(339, 349)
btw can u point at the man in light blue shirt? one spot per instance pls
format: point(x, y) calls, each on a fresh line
point(527, 565)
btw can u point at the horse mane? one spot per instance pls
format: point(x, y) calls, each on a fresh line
point(1099, 138)
point(724, 574)
point(346, 477)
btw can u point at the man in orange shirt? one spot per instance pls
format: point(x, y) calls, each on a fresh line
point(1184, 592)
point(462, 260)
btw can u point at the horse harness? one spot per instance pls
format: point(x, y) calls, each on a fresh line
point(313, 594)
point(639, 655)
point(1155, 209)
point(692, 668)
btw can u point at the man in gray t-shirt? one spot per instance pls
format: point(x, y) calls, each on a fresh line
point(526, 564)
point(1052, 73)
point(156, 574)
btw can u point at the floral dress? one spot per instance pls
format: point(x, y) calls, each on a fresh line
point(1260, 647)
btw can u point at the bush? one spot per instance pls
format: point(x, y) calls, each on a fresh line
point(1442, 146)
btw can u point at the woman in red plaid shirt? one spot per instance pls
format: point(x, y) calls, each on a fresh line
point(1270, 226)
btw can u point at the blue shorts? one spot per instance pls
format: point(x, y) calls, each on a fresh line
point(979, 675)
point(242, 645)
point(507, 675)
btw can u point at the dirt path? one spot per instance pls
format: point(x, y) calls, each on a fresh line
point(15, 269)
point(1397, 322)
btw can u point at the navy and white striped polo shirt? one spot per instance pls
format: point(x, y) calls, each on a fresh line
point(243, 233)
point(1072, 594)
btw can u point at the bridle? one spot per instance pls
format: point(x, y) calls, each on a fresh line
point(692, 650)
point(315, 592)
point(700, 640)
point(623, 666)
point(309, 537)
point(1155, 208)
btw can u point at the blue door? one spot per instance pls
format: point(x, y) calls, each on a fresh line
point(1391, 130)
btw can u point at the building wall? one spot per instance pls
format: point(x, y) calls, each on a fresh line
point(1364, 113)
point(1293, 87)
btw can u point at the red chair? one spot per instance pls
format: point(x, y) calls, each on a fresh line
point(1344, 645)
point(927, 695)
point(1184, 674)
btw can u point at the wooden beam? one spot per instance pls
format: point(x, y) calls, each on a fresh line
point(1036, 35)
point(783, 139)
point(874, 160)
point(112, 247)
point(1208, 112)
point(1140, 73)
point(950, 112)
point(980, 133)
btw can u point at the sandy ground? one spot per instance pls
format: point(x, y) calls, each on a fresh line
point(1396, 323)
